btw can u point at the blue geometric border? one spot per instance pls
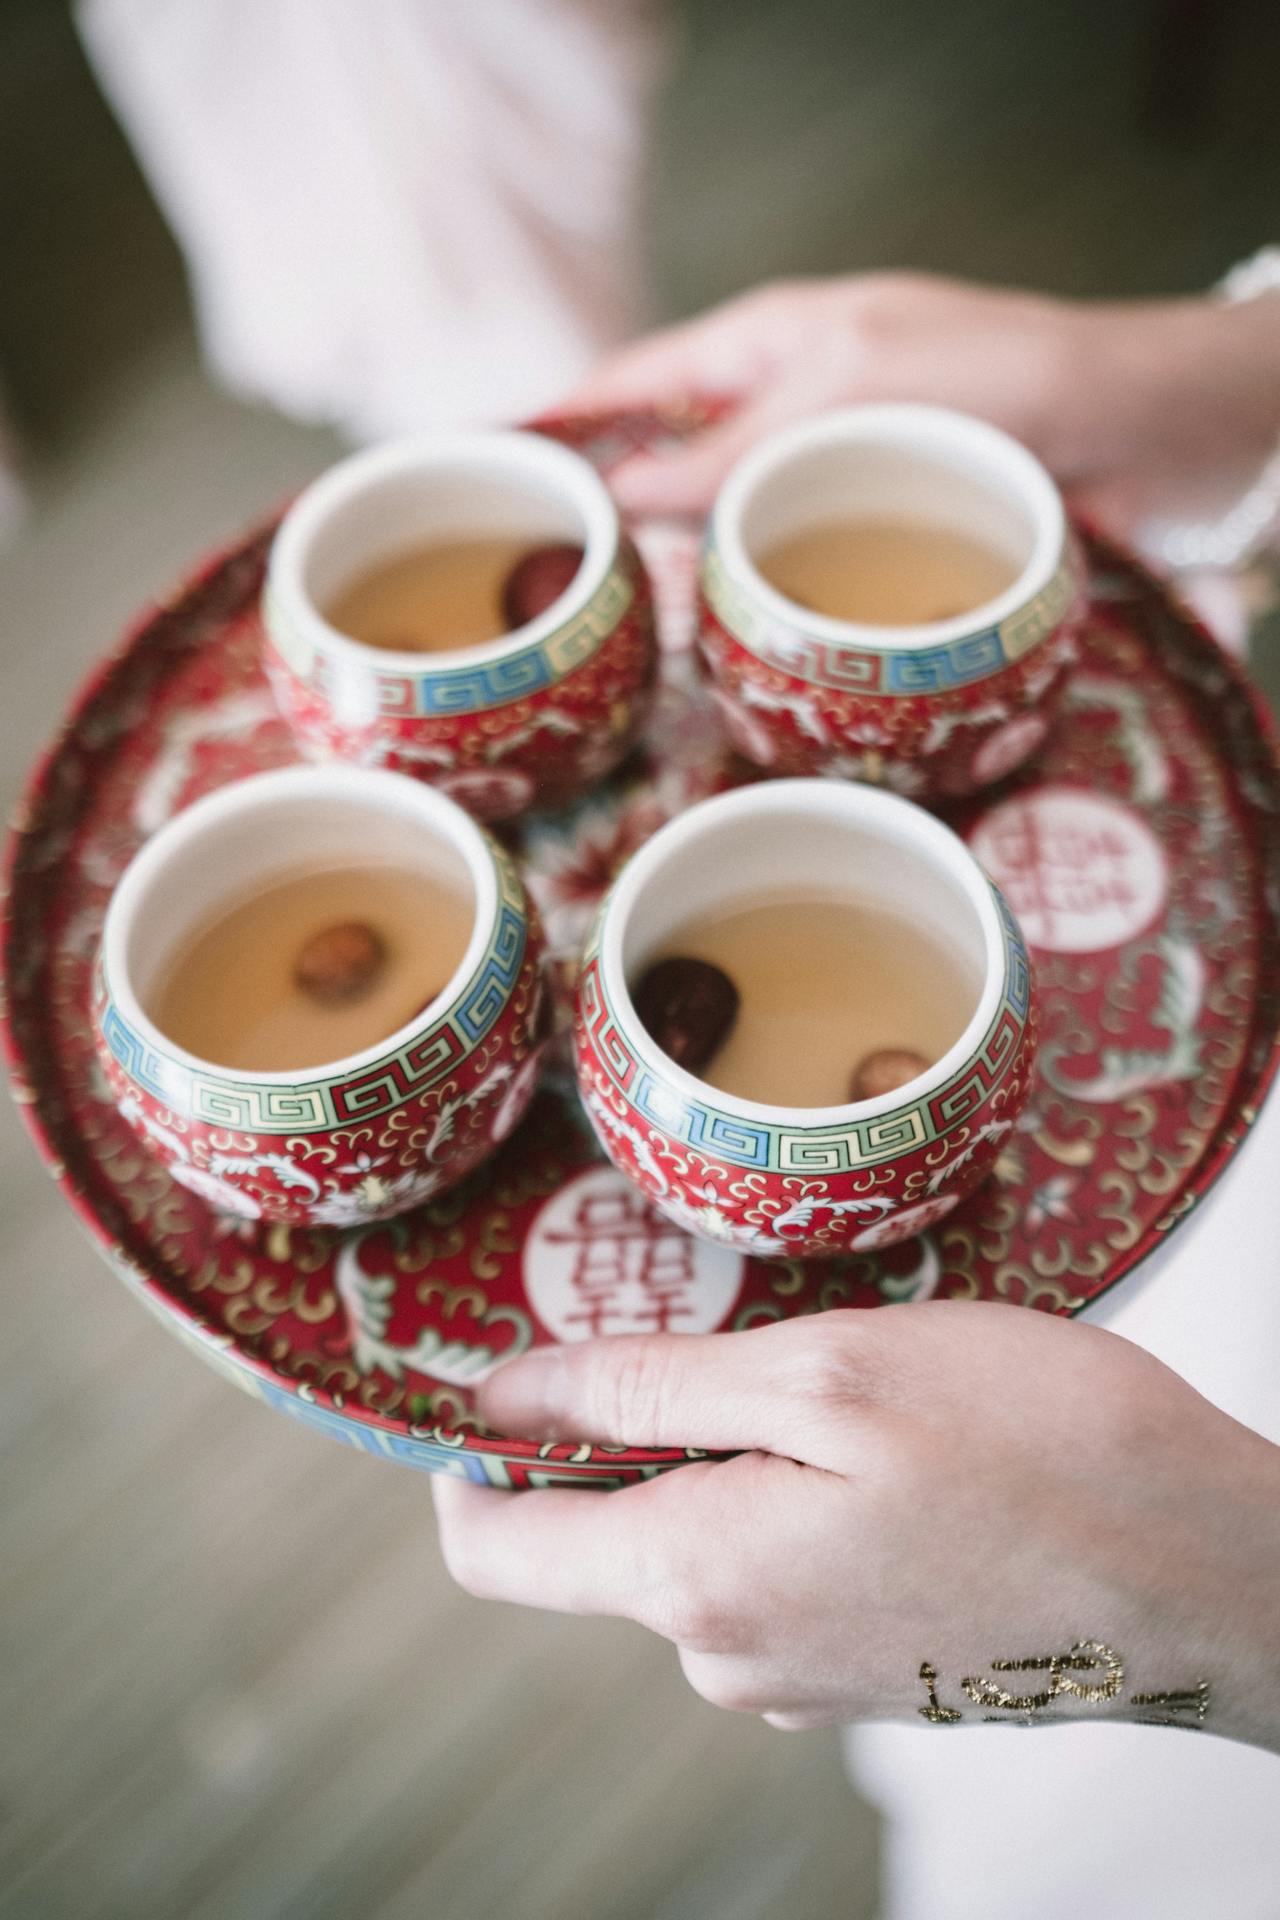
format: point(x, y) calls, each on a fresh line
point(253, 1107)
point(429, 1449)
point(467, 689)
point(888, 670)
point(764, 1147)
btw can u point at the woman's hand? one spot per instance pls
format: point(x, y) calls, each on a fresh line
point(943, 1487)
point(1169, 406)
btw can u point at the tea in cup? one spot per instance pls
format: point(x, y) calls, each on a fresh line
point(890, 593)
point(467, 609)
point(320, 996)
point(804, 1022)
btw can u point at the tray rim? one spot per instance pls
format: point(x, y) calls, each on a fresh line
point(590, 1462)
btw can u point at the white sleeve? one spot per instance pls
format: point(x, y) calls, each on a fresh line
point(394, 212)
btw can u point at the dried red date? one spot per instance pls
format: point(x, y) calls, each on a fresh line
point(883, 1071)
point(337, 966)
point(688, 1008)
point(537, 578)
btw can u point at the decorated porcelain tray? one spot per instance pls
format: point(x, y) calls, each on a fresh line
point(1141, 854)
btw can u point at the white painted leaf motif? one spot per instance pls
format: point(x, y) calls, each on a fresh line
point(159, 788)
point(1137, 740)
point(1182, 989)
point(210, 1182)
point(801, 706)
point(1125, 1071)
point(446, 1120)
point(922, 1281)
point(216, 1193)
point(605, 1120)
point(459, 1363)
point(800, 1213)
point(552, 721)
point(290, 1176)
point(943, 725)
point(991, 1131)
point(454, 1361)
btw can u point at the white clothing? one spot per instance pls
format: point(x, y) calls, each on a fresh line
point(395, 213)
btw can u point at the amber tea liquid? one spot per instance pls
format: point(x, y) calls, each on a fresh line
point(432, 598)
point(885, 573)
point(230, 996)
point(822, 983)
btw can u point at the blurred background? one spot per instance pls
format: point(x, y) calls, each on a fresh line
point(234, 1680)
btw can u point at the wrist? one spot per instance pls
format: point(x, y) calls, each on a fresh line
point(1179, 408)
point(1236, 367)
point(1241, 513)
point(1249, 1630)
point(1214, 1603)
point(1195, 380)
point(1176, 1620)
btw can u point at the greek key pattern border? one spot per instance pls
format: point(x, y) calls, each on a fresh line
point(447, 692)
point(886, 670)
point(248, 1106)
point(766, 1148)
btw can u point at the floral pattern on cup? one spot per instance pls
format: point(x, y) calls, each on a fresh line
point(531, 720)
point(931, 713)
point(364, 1140)
point(769, 1183)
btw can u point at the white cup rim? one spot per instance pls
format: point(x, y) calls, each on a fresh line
point(908, 424)
point(174, 845)
point(872, 808)
point(509, 451)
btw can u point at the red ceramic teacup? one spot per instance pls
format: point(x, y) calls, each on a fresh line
point(788, 1181)
point(931, 710)
point(532, 718)
point(352, 1140)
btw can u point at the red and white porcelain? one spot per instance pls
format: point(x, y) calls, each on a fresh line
point(356, 1140)
point(532, 719)
point(792, 1182)
point(1139, 851)
point(934, 711)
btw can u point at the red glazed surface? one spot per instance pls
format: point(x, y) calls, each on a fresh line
point(791, 1191)
point(396, 1132)
point(1155, 1049)
point(498, 756)
point(934, 711)
point(934, 746)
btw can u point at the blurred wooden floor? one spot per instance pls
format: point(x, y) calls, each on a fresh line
point(235, 1683)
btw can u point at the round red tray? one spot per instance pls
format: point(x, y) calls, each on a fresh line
point(1142, 854)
